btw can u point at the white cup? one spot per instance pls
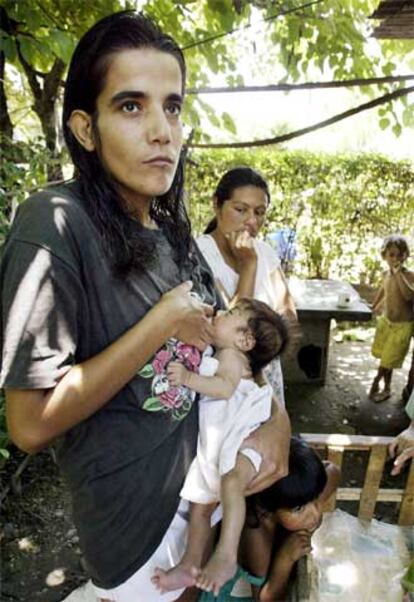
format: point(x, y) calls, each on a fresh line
point(344, 299)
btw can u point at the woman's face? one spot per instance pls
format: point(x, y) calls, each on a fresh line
point(245, 210)
point(139, 122)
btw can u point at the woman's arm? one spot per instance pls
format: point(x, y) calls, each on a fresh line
point(220, 386)
point(283, 300)
point(272, 441)
point(36, 417)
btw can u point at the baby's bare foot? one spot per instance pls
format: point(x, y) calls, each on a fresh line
point(218, 570)
point(177, 578)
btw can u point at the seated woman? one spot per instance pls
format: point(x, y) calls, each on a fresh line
point(242, 265)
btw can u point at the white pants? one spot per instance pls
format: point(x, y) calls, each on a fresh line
point(138, 588)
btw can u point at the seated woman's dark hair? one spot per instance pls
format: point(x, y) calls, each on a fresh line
point(126, 242)
point(238, 177)
point(305, 482)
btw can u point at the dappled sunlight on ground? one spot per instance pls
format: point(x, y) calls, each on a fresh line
point(342, 405)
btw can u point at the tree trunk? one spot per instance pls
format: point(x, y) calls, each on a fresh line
point(45, 107)
point(6, 126)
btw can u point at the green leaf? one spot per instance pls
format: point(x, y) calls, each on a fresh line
point(384, 123)
point(397, 129)
point(4, 453)
point(62, 44)
point(8, 46)
point(229, 123)
point(147, 371)
point(153, 404)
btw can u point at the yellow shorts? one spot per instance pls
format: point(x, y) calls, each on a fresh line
point(391, 342)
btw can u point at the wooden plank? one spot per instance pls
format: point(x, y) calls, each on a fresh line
point(335, 455)
point(406, 516)
point(352, 442)
point(372, 481)
point(353, 494)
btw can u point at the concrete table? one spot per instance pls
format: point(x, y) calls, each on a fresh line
point(317, 303)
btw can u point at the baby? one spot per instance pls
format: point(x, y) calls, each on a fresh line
point(246, 337)
point(395, 326)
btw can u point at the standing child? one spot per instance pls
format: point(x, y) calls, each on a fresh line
point(247, 337)
point(395, 326)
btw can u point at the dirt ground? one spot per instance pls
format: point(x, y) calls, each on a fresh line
point(41, 560)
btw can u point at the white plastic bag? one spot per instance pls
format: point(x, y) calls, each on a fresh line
point(358, 561)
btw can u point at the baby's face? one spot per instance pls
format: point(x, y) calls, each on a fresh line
point(230, 326)
point(392, 256)
point(307, 517)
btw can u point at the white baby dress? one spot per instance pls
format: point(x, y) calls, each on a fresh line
point(224, 424)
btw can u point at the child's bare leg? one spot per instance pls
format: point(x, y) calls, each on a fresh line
point(386, 375)
point(296, 545)
point(223, 563)
point(185, 572)
point(375, 384)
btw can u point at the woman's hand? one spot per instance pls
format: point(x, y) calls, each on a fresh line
point(241, 245)
point(272, 441)
point(192, 323)
point(402, 448)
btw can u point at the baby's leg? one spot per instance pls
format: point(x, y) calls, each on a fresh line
point(223, 563)
point(185, 572)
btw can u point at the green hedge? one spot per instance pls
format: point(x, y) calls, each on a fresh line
point(341, 205)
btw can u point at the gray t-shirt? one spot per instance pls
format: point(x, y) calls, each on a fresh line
point(61, 304)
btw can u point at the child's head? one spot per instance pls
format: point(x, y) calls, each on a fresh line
point(397, 246)
point(294, 499)
point(255, 329)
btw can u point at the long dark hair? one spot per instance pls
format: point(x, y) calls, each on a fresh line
point(232, 179)
point(126, 242)
point(304, 483)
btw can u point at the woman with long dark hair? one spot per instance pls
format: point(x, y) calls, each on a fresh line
point(96, 300)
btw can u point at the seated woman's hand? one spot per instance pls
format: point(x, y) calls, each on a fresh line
point(191, 316)
point(242, 248)
point(272, 441)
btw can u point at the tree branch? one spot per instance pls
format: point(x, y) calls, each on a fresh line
point(346, 83)
point(282, 13)
point(317, 126)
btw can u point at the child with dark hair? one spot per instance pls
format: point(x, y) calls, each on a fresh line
point(395, 326)
point(282, 518)
point(247, 337)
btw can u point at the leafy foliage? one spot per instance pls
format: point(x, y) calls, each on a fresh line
point(341, 206)
point(280, 41)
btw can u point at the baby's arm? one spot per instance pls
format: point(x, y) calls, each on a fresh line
point(220, 386)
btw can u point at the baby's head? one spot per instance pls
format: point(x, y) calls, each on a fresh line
point(294, 499)
point(252, 327)
point(395, 245)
